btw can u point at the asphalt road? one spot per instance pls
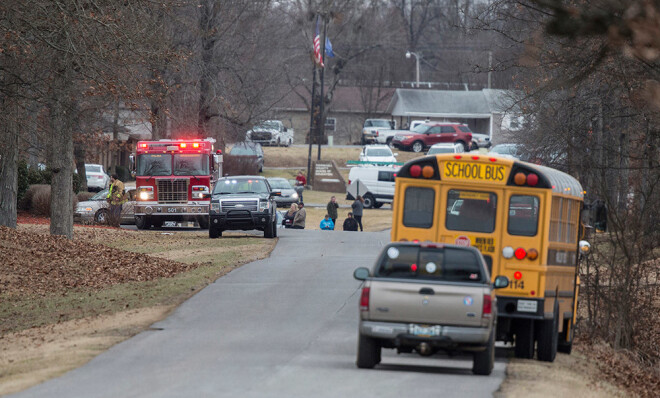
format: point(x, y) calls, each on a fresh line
point(285, 326)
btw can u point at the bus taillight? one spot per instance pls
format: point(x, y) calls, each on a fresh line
point(532, 254)
point(517, 275)
point(415, 171)
point(520, 253)
point(532, 180)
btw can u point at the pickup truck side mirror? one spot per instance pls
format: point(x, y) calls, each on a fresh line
point(361, 273)
point(501, 282)
point(275, 193)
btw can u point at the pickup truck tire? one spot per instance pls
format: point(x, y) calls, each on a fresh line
point(465, 146)
point(484, 361)
point(369, 201)
point(269, 230)
point(389, 142)
point(524, 347)
point(418, 146)
point(368, 352)
point(214, 232)
point(548, 337)
point(378, 205)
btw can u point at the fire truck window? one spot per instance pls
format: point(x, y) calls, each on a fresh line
point(195, 164)
point(523, 215)
point(154, 165)
point(471, 211)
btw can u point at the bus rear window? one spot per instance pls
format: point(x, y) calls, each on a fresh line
point(440, 264)
point(523, 215)
point(471, 211)
point(418, 207)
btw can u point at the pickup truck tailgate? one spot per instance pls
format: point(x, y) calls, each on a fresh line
point(426, 303)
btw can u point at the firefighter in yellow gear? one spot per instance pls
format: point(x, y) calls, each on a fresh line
point(116, 198)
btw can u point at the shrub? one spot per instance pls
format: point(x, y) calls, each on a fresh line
point(37, 200)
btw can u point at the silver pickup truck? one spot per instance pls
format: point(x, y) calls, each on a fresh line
point(428, 297)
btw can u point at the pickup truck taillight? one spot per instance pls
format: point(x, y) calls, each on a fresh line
point(376, 133)
point(364, 299)
point(488, 306)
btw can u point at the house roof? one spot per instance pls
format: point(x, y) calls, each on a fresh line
point(345, 99)
point(449, 103)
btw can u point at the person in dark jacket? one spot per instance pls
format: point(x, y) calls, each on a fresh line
point(350, 224)
point(358, 206)
point(332, 210)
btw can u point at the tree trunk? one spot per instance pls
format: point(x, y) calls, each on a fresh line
point(9, 163)
point(61, 159)
point(80, 154)
point(207, 26)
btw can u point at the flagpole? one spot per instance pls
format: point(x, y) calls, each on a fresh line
point(322, 126)
point(311, 121)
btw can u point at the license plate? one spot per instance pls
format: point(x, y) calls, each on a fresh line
point(527, 305)
point(424, 331)
point(169, 224)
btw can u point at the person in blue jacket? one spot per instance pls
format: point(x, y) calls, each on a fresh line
point(327, 223)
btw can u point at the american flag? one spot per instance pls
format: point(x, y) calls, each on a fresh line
point(317, 46)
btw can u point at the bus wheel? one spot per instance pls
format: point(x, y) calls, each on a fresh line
point(524, 331)
point(565, 345)
point(548, 337)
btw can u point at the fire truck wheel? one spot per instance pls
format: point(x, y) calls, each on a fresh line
point(157, 223)
point(142, 222)
point(203, 222)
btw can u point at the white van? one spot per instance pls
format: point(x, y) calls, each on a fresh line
point(374, 184)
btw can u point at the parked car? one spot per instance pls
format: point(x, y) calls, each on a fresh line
point(377, 153)
point(513, 151)
point(288, 193)
point(427, 297)
point(374, 184)
point(445, 148)
point(97, 178)
point(270, 132)
point(243, 203)
point(427, 134)
point(249, 149)
point(371, 127)
point(483, 140)
point(96, 208)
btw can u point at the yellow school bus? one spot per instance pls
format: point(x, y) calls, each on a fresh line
point(525, 220)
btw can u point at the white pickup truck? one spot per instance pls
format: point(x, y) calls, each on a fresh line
point(384, 136)
point(270, 132)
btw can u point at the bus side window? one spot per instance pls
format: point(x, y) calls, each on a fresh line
point(523, 215)
point(418, 207)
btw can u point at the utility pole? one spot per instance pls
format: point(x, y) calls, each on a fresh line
point(311, 120)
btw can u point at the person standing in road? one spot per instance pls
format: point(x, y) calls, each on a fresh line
point(350, 224)
point(115, 199)
point(332, 210)
point(327, 224)
point(358, 206)
point(299, 219)
point(301, 181)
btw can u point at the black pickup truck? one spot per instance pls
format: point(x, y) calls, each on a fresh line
point(243, 203)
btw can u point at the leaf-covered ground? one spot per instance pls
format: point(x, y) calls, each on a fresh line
point(33, 263)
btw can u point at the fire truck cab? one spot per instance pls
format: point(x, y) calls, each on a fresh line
point(172, 177)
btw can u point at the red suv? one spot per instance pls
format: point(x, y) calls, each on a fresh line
point(427, 134)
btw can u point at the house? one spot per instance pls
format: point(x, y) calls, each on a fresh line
point(487, 111)
point(346, 113)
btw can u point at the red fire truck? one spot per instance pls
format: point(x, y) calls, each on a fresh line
point(172, 177)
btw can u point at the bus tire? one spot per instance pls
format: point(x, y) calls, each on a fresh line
point(524, 347)
point(368, 352)
point(369, 201)
point(565, 345)
point(417, 146)
point(548, 337)
point(484, 361)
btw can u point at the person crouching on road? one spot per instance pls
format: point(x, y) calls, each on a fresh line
point(290, 215)
point(350, 224)
point(116, 199)
point(327, 224)
point(332, 210)
point(299, 219)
